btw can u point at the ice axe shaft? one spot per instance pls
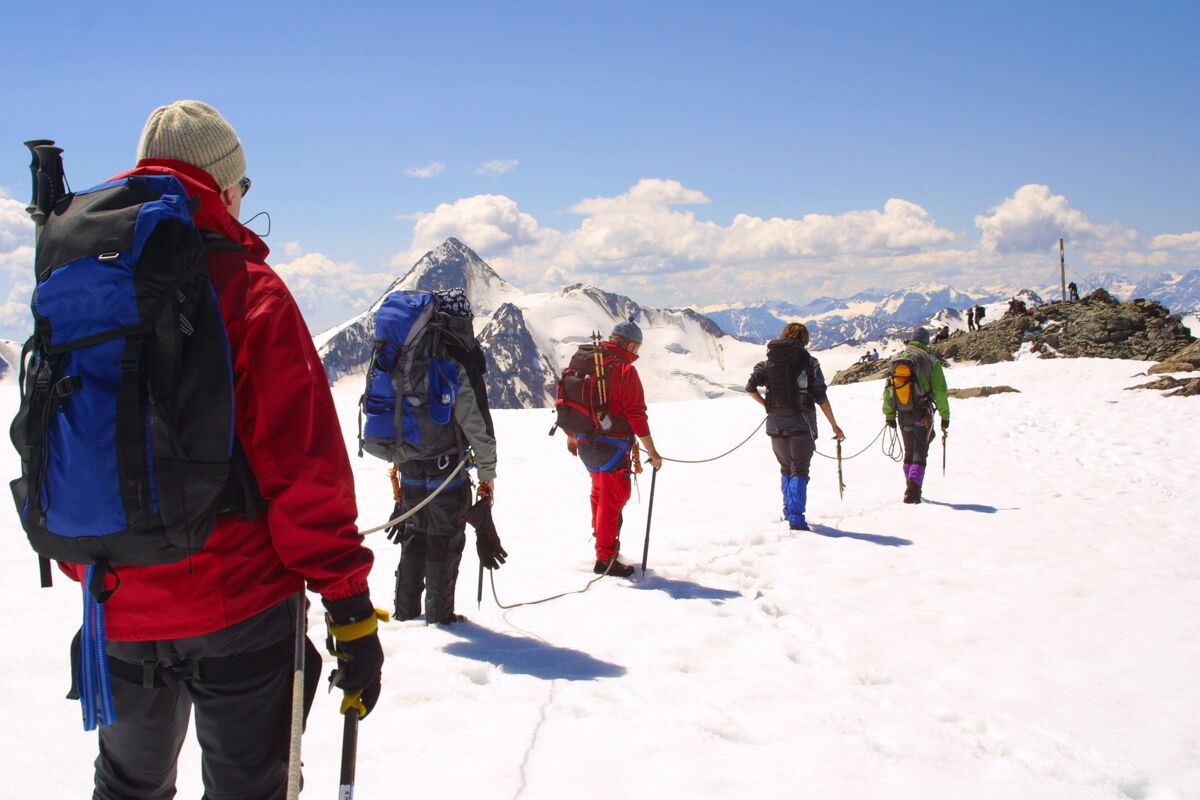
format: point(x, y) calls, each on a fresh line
point(841, 483)
point(649, 519)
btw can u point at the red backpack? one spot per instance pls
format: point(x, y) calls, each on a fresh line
point(581, 398)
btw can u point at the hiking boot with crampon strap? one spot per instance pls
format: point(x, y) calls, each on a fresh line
point(612, 567)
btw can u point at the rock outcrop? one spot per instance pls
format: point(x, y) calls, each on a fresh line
point(1186, 360)
point(1098, 326)
point(979, 391)
point(1094, 327)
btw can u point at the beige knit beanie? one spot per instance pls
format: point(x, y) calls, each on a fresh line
point(195, 132)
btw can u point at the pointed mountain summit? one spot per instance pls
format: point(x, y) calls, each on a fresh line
point(453, 265)
point(529, 338)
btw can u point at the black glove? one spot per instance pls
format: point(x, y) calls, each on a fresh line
point(396, 532)
point(487, 541)
point(354, 639)
point(945, 424)
point(891, 423)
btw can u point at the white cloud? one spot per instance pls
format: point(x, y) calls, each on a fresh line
point(16, 269)
point(16, 228)
point(488, 223)
point(329, 292)
point(1177, 241)
point(430, 170)
point(642, 237)
point(1034, 219)
point(497, 166)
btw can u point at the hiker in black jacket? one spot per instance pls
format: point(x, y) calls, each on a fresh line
point(795, 388)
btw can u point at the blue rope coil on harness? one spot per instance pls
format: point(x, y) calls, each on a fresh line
point(95, 693)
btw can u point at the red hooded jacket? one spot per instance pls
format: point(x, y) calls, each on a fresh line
point(626, 398)
point(287, 425)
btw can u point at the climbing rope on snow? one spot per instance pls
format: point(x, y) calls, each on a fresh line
point(714, 458)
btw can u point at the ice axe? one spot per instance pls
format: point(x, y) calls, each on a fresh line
point(649, 517)
point(841, 483)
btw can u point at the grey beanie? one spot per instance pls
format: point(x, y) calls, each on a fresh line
point(628, 330)
point(919, 334)
point(195, 132)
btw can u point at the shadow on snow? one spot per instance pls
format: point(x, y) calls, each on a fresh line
point(520, 655)
point(962, 506)
point(834, 533)
point(683, 590)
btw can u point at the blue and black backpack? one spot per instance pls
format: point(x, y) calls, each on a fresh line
point(413, 380)
point(125, 428)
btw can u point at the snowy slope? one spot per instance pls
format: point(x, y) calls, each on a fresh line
point(1028, 633)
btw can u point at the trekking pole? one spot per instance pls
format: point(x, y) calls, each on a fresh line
point(841, 483)
point(649, 517)
point(479, 590)
point(945, 433)
point(46, 171)
point(293, 790)
point(349, 755)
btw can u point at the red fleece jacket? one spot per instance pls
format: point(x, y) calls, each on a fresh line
point(625, 396)
point(288, 427)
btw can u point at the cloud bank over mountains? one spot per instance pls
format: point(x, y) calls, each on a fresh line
point(650, 242)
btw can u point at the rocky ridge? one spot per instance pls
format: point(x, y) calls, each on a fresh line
point(1097, 326)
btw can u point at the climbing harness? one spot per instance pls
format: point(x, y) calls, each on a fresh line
point(418, 506)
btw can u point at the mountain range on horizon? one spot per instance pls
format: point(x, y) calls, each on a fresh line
point(875, 313)
point(529, 337)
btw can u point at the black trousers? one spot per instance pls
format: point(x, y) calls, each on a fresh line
point(916, 433)
point(243, 725)
point(432, 545)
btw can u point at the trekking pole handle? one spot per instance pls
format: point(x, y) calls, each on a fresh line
point(33, 144)
point(50, 182)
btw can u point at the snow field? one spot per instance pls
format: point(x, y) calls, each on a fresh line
point(1029, 632)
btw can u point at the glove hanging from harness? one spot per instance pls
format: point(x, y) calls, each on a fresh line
point(487, 542)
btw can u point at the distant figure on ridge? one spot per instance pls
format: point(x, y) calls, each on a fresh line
point(1073, 291)
point(795, 388)
point(601, 407)
point(914, 386)
point(980, 312)
point(970, 319)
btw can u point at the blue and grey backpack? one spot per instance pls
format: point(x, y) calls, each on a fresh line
point(125, 428)
point(413, 381)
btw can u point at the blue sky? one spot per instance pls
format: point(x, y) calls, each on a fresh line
point(678, 152)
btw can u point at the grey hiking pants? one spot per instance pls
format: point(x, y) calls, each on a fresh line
point(794, 451)
point(916, 433)
point(243, 723)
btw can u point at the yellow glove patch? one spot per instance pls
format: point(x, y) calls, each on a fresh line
point(352, 701)
point(357, 630)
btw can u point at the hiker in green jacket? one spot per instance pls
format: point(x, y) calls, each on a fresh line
point(914, 387)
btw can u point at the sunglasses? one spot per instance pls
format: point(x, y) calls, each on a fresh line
point(244, 184)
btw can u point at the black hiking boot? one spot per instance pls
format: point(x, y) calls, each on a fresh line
point(612, 567)
point(912, 492)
